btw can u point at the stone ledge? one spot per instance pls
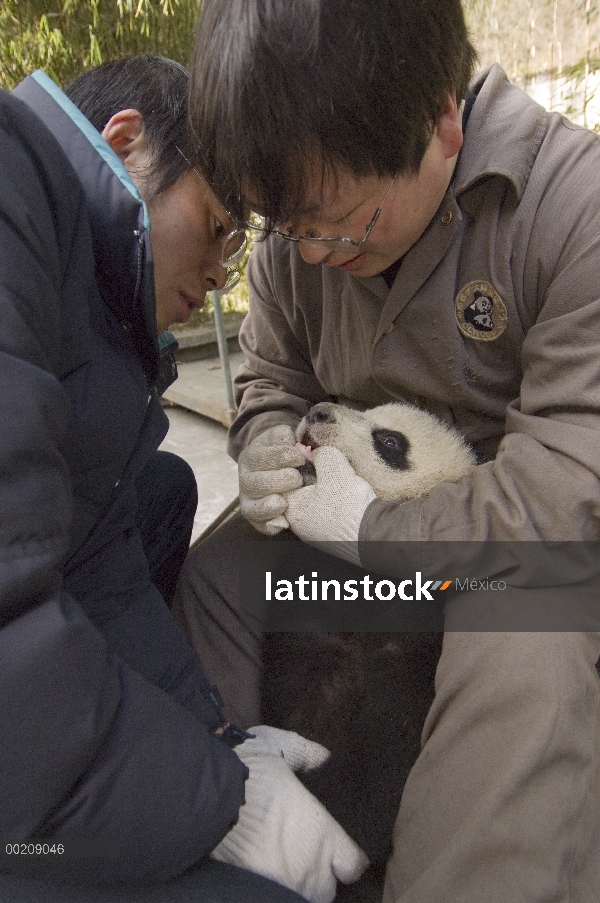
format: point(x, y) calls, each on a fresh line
point(200, 342)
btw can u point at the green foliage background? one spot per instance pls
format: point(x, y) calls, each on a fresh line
point(66, 37)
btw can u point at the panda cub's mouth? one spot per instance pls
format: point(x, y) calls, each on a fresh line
point(307, 446)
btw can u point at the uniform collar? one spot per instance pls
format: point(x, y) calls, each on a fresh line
point(503, 134)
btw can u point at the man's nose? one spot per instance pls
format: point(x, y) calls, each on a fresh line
point(313, 253)
point(215, 275)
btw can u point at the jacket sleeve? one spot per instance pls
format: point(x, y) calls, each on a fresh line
point(276, 384)
point(90, 749)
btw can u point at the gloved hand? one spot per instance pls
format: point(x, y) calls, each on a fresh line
point(283, 832)
point(301, 754)
point(331, 510)
point(267, 468)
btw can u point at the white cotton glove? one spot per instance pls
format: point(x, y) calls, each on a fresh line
point(300, 754)
point(332, 509)
point(267, 468)
point(284, 833)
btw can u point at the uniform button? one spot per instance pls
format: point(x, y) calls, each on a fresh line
point(388, 329)
point(447, 218)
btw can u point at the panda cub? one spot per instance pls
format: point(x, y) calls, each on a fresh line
point(364, 696)
point(401, 451)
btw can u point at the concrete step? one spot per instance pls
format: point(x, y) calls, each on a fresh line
point(201, 388)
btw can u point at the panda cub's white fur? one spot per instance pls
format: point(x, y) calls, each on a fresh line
point(402, 451)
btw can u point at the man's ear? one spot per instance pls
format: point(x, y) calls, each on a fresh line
point(449, 128)
point(126, 135)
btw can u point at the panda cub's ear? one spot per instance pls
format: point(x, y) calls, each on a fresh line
point(392, 447)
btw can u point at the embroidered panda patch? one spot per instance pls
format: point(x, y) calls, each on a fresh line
point(480, 312)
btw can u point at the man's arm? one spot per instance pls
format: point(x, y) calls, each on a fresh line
point(276, 384)
point(275, 388)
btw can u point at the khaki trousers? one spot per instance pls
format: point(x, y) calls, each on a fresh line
point(503, 804)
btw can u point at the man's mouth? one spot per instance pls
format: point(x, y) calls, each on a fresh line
point(353, 264)
point(192, 303)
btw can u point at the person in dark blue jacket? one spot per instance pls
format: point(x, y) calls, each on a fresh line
point(117, 773)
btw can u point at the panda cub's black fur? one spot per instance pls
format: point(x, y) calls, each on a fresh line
point(364, 696)
point(392, 447)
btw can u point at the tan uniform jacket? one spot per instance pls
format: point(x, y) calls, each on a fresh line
point(493, 323)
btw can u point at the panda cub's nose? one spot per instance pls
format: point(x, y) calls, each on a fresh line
point(321, 413)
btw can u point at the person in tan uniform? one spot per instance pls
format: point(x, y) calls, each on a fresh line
point(433, 238)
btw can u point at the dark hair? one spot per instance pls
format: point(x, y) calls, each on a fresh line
point(158, 89)
point(278, 85)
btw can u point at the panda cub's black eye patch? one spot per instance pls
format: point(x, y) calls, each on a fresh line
point(392, 447)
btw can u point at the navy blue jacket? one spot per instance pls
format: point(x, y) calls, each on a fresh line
point(105, 714)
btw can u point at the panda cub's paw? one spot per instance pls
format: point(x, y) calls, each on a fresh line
point(308, 473)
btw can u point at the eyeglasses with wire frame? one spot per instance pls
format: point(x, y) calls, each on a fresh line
point(234, 243)
point(331, 244)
